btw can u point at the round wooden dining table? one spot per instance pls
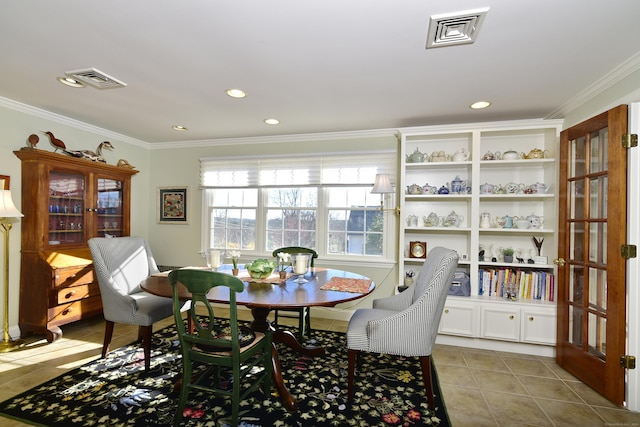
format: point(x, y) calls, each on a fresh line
point(323, 288)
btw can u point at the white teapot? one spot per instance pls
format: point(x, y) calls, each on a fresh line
point(461, 155)
point(535, 221)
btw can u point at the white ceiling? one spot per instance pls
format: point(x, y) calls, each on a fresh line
point(317, 66)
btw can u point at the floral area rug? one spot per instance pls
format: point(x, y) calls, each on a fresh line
point(116, 391)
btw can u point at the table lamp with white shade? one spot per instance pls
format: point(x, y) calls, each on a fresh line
point(8, 213)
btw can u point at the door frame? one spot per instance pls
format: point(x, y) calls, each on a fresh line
point(633, 265)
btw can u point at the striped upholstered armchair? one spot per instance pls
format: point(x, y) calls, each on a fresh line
point(405, 324)
point(121, 264)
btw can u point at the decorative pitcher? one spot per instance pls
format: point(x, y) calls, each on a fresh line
point(458, 185)
point(485, 220)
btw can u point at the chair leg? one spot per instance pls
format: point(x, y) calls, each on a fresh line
point(146, 332)
point(108, 333)
point(425, 363)
point(352, 356)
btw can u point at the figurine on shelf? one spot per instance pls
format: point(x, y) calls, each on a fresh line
point(122, 163)
point(538, 243)
point(56, 142)
point(90, 155)
point(33, 140)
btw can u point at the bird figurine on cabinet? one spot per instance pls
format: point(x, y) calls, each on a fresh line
point(91, 155)
point(125, 164)
point(56, 142)
point(33, 140)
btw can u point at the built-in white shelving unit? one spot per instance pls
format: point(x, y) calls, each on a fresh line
point(484, 316)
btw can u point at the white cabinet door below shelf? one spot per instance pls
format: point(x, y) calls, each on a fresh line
point(539, 325)
point(459, 319)
point(500, 323)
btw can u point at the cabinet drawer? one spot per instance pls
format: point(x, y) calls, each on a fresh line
point(75, 293)
point(73, 276)
point(70, 312)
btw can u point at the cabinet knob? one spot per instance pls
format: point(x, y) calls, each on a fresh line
point(531, 319)
point(511, 317)
point(67, 311)
point(446, 311)
point(70, 294)
point(559, 262)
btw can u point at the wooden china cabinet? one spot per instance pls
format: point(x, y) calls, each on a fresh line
point(65, 201)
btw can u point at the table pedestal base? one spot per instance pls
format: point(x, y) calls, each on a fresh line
point(261, 324)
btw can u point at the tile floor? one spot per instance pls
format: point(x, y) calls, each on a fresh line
point(480, 387)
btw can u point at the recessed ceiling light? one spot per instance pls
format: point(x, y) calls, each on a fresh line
point(236, 93)
point(480, 105)
point(70, 82)
point(178, 127)
point(272, 121)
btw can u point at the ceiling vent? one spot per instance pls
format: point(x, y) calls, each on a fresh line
point(95, 78)
point(455, 28)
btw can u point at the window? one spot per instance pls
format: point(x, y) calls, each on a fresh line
point(355, 222)
point(291, 217)
point(322, 202)
point(233, 219)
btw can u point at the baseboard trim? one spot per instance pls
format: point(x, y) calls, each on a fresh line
point(509, 347)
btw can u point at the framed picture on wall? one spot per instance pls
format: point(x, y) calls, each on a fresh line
point(172, 205)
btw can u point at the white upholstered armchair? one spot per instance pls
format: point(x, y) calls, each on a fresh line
point(121, 264)
point(405, 324)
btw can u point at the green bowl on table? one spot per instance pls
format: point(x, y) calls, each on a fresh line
point(260, 268)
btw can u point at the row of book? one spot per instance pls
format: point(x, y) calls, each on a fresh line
point(514, 283)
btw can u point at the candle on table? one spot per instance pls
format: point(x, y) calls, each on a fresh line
point(301, 264)
point(215, 258)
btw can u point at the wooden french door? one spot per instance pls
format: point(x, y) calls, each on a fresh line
point(591, 269)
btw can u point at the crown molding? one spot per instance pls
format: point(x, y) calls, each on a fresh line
point(611, 78)
point(303, 137)
point(63, 120)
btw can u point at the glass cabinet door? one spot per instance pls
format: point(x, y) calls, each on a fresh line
point(66, 208)
point(110, 203)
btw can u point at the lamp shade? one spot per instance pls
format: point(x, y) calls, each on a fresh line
point(382, 184)
point(7, 208)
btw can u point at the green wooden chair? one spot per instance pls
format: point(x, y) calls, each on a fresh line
point(303, 314)
point(236, 349)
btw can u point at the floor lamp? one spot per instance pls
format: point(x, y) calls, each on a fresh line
point(8, 212)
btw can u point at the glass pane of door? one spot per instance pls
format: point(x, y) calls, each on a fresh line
point(587, 240)
point(110, 198)
point(66, 208)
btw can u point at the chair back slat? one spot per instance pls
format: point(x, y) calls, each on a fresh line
point(206, 330)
